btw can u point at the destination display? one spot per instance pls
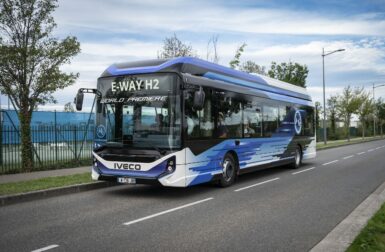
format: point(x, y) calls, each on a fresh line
point(137, 88)
point(134, 85)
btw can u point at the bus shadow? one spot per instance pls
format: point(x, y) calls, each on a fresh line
point(158, 191)
point(268, 172)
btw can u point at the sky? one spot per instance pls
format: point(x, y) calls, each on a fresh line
point(281, 31)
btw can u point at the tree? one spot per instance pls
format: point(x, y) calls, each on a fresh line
point(365, 110)
point(332, 114)
point(68, 107)
point(349, 103)
point(30, 61)
point(174, 47)
point(234, 63)
point(212, 46)
point(380, 113)
point(252, 67)
point(293, 73)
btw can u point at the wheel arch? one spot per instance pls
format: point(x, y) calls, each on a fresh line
point(300, 149)
point(236, 159)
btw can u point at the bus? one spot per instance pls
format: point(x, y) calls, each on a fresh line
point(185, 121)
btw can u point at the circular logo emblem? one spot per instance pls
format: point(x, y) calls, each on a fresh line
point(101, 131)
point(297, 122)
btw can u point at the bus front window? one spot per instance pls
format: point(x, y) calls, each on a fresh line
point(148, 119)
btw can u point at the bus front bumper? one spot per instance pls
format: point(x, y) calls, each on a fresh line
point(164, 179)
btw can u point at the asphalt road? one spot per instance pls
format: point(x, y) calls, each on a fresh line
point(272, 210)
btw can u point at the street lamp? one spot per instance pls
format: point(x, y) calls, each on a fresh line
point(374, 117)
point(323, 81)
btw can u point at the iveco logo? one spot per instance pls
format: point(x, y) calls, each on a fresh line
point(121, 166)
point(297, 122)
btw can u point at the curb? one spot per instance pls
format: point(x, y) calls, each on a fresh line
point(41, 194)
point(340, 238)
point(352, 143)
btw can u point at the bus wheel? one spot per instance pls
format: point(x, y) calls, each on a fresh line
point(229, 171)
point(297, 158)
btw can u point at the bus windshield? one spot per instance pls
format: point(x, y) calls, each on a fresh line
point(141, 111)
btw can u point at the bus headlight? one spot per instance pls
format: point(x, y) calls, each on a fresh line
point(171, 165)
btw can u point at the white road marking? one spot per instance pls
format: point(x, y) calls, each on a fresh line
point(308, 169)
point(361, 153)
point(45, 248)
point(378, 147)
point(370, 150)
point(349, 157)
point(260, 183)
point(167, 211)
point(331, 162)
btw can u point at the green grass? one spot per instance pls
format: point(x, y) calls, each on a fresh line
point(44, 183)
point(372, 237)
point(336, 143)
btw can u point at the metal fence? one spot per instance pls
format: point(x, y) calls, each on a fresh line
point(54, 146)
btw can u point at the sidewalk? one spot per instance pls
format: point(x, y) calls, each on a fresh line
point(342, 236)
point(9, 178)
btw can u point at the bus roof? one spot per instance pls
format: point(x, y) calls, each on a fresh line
point(198, 67)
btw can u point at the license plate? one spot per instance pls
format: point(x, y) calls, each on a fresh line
point(125, 180)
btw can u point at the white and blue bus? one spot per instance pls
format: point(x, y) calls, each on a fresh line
point(185, 121)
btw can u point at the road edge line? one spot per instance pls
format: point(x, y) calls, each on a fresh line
point(52, 192)
point(342, 236)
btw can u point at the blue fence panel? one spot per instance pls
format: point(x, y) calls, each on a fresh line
point(43, 126)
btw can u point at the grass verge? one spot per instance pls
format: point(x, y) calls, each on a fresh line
point(331, 144)
point(372, 237)
point(44, 183)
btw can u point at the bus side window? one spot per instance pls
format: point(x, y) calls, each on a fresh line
point(308, 121)
point(252, 121)
point(199, 123)
point(270, 120)
point(229, 118)
point(282, 113)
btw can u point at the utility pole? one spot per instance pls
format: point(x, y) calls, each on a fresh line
point(323, 82)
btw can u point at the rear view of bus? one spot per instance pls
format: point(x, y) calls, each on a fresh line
point(185, 121)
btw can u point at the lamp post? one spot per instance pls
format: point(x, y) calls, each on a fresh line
point(375, 109)
point(323, 82)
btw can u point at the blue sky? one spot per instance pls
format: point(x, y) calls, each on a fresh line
point(116, 31)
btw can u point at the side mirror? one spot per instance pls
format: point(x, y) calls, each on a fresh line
point(79, 100)
point(199, 99)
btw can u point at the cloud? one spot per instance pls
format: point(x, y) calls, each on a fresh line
point(116, 31)
point(139, 16)
point(360, 56)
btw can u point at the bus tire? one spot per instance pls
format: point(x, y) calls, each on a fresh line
point(297, 158)
point(229, 171)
